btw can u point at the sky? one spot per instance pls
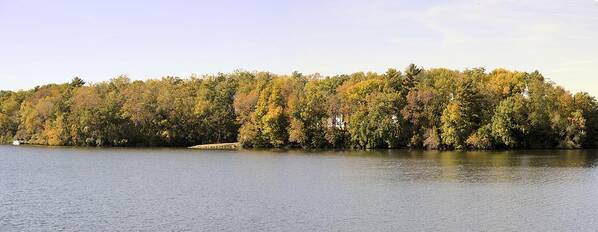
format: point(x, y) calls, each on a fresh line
point(53, 41)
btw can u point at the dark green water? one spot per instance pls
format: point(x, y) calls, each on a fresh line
point(73, 189)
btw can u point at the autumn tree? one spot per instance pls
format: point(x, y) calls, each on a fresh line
point(435, 108)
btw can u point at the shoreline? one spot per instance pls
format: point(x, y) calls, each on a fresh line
point(237, 147)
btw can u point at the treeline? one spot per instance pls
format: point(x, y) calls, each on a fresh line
point(433, 109)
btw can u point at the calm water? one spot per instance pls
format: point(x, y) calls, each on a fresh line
point(70, 189)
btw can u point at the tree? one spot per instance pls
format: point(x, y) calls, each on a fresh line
point(77, 82)
point(509, 123)
point(248, 93)
point(482, 139)
point(435, 109)
point(541, 134)
point(309, 119)
point(462, 116)
point(268, 126)
point(588, 106)
point(375, 119)
point(411, 73)
point(576, 130)
point(10, 103)
point(215, 109)
point(420, 112)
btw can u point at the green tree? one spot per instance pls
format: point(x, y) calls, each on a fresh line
point(411, 73)
point(77, 82)
point(509, 123)
point(588, 106)
point(461, 116)
point(375, 119)
point(309, 120)
point(216, 110)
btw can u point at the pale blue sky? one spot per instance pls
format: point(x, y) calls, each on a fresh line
point(53, 41)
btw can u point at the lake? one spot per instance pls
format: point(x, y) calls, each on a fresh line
point(92, 189)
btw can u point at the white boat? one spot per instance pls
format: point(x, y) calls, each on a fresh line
point(16, 142)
